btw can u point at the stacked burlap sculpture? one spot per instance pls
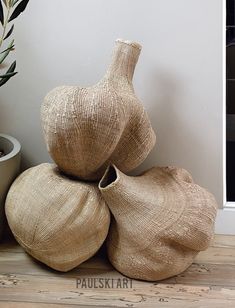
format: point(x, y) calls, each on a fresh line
point(160, 219)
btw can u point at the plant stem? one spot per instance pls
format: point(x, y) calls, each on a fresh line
point(5, 26)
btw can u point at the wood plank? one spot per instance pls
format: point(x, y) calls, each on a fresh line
point(202, 273)
point(216, 255)
point(227, 241)
point(11, 247)
point(9, 263)
point(39, 305)
point(161, 303)
point(9, 259)
point(63, 290)
point(207, 275)
point(209, 282)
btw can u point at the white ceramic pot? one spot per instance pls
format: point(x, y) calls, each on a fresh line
point(9, 169)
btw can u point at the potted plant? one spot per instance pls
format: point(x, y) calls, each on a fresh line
point(9, 146)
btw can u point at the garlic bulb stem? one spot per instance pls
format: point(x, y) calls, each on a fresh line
point(124, 60)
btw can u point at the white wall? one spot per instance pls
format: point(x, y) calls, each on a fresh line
point(178, 77)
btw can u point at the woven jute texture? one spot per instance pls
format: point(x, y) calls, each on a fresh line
point(57, 220)
point(161, 220)
point(87, 128)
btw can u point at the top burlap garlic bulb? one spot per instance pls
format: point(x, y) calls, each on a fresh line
point(161, 220)
point(87, 128)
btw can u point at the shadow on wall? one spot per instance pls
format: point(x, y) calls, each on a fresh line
point(22, 121)
point(177, 144)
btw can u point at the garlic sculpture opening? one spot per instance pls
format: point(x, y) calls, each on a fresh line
point(59, 221)
point(87, 128)
point(161, 220)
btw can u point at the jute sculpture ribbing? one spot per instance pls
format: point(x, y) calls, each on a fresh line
point(161, 220)
point(59, 221)
point(87, 128)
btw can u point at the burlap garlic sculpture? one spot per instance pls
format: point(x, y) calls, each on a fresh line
point(59, 221)
point(161, 220)
point(87, 128)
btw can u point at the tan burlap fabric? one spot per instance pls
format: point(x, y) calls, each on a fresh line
point(57, 220)
point(87, 128)
point(161, 220)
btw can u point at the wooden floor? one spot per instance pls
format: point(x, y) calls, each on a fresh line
point(209, 282)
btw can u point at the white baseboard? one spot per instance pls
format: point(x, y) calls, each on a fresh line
point(225, 221)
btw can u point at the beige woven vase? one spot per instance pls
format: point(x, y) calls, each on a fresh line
point(161, 220)
point(87, 128)
point(57, 220)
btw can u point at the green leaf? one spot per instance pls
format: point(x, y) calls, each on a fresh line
point(11, 48)
point(13, 2)
point(9, 32)
point(10, 70)
point(12, 67)
point(8, 75)
point(6, 53)
point(1, 13)
point(19, 9)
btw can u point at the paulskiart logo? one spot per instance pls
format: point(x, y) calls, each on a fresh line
point(103, 283)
